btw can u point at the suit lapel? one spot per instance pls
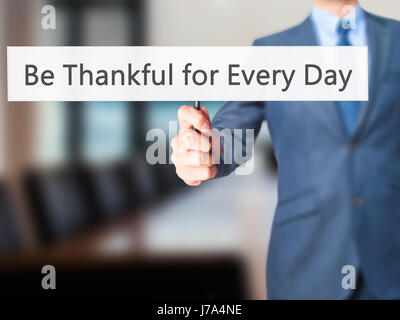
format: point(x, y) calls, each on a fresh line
point(326, 111)
point(379, 40)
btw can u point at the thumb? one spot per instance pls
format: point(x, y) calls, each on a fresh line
point(205, 111)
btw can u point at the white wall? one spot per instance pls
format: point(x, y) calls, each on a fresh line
point(233, 22)
point(385, 8)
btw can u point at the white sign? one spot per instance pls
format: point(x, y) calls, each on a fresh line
point(187, 73)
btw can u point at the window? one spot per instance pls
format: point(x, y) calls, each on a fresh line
point(93, 131)
point(106, 130)
point(50, 140)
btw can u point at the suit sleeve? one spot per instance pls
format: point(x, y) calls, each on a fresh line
point(233, 121)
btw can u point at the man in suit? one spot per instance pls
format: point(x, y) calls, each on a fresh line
point(338, 166)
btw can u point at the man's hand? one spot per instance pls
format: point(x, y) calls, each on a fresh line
point(193, 150)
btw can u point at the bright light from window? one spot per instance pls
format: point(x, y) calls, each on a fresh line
point(106, 131)
point(50, 140)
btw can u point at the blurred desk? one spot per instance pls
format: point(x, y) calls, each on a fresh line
point(111, 263)
point(115, 262)
point(202, 242)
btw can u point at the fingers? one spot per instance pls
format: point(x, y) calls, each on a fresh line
point(191, 158)
point(205, 111)
point(193, 183)
point(190, 117)
point(192, 150)
point(189, 139)
point(195, 176)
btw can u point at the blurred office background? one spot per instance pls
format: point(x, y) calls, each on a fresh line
point(75, 188)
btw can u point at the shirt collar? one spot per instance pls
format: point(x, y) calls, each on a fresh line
point(328, 22)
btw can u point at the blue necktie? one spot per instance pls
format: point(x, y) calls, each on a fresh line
point(348, 109)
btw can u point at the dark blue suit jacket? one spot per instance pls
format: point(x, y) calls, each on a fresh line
point(338, 196)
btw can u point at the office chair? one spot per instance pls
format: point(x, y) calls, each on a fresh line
point(104, 189)
point(57, 202)
point(140, 181)
point(9, 238)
